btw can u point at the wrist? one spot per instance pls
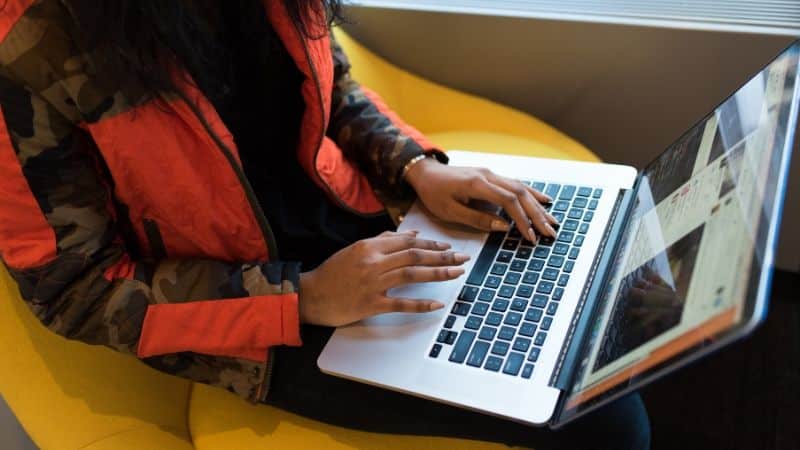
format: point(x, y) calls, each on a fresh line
point(415, 173)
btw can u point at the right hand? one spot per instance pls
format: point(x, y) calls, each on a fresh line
point(351, 285)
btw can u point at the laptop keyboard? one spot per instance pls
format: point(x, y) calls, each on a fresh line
point(504, 311)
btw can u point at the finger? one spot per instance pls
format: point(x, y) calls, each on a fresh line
point(477, 219)
point(486, 189)
point(391, 244)
point(398, 233)
point(417, 274)
point(407, 305)
point(420, 257)
point(534, 210)
point(541, 197)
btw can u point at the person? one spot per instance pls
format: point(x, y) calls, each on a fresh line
point(155, 158)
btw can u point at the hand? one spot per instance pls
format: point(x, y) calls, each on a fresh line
point(351, 285)
point(446, 191)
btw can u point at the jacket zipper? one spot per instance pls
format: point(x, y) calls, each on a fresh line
point(258, 212)
point(318, 86)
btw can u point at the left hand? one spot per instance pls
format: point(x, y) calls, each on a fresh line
point(446, 191)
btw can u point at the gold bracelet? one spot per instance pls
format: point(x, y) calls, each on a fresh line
point(411, 163)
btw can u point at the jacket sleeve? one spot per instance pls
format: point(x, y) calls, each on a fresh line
point(209, 321)
point(370, 134)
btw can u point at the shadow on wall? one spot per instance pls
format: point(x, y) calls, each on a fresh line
point(11, 432)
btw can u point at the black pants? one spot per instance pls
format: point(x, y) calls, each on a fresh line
point(299, 387)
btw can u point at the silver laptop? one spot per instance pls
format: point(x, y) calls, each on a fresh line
point(650, 271)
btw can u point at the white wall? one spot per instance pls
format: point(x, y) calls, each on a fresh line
point(626, 92)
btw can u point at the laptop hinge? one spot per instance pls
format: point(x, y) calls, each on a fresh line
point(579, 327)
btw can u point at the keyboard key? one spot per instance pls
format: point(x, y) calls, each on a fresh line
point(506, 291)
point(530, 278)
point(527, 329)
point(492, 282)
point(552, 308)
point(510, 244)
point(519, 304)
point(566, 236)
point(561, 206)
point(486, 295)
point(512, 278)
point(500, 305)
point(536, 265)
point(570, 225)
point(527, 371)
point(468, 293)
point(521, 344)
point(567, 192)
point(488, 333)
point(569, 266)
point(597, 193)
point(524, 252)
point(578, 241)
point(504, 256)
point(473, 322)
point(442, 336)
point(480, 309)
point(460, 350)
point(494, 319)
point(560, 248)
point(593, 205)
point(534, 354)
point(546, 322)
point(563, 280)
point(573, 254)
point(485, 258)
point(585, 191)
point(478, 353)
point(435, 350)
point(559, 216)
point(525, 291)
point(588, 216)
point(533, 315)
point(552, 190)
point(556, 261)
point(545, 287)
point(513, 318)
point(575, 213)
point(546, 241)
point(538, 185)
point(460, 309)
point(500, 348)
point(558, 293)
point(499, 269)
point(513, 363)
point(518, 265)
point(550, 274)
point(584, 228)
point(539, 301)
point(493, 363)
point(580, 202)
point(541, 252)
point(540, 338)
point(449, 322)
point(506, 333)
point(451, 337)
point(514, 233)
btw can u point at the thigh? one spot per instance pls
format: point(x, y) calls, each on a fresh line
point(299, 387)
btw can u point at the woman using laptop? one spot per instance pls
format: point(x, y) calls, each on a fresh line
point(189, 181)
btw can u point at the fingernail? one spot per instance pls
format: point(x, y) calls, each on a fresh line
point(461, 258)
point(531, 235)
point(552, 218)
point(549, 199)
point(550, 230)
point(499, 225)
point(436, 306)
point(414, 232)
point(455, 272)
point(442, 245)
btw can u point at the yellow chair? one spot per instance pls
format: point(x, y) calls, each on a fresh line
point(74, 396)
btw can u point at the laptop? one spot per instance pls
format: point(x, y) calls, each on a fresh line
point(650, 271)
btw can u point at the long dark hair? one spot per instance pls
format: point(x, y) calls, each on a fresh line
point(138, 40)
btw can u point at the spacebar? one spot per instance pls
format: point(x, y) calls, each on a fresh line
point(486, 257)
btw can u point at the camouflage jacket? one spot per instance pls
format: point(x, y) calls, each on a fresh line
point(127, 221)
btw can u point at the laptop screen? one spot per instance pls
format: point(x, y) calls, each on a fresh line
point(695, 256)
